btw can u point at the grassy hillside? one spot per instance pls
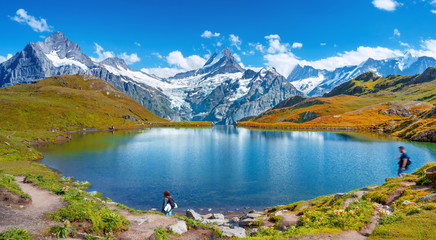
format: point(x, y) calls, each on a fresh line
point(45, 111)
point(399, 105)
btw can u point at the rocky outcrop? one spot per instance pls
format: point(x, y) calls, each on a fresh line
point(194, 215)
point(426, 136)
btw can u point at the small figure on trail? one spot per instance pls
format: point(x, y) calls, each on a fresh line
point(403, 163)
point(168, 204)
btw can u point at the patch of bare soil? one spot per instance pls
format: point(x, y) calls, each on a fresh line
point(142, 225)
point(31, 216)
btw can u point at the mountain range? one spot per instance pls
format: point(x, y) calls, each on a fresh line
point(316, 82)
point(221, 91)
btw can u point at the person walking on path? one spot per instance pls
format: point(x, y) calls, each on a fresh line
point(168, 204)
point(403, 163)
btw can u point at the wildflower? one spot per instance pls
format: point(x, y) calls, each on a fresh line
point(304, 216)
point(65, 189)
point(357, 208)
point(112, 214)
point(351, 212)
point(67, 223)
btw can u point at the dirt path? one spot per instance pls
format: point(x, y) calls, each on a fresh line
point(33, 216)
point(142, 225)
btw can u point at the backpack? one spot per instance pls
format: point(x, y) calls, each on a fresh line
point(172, 203)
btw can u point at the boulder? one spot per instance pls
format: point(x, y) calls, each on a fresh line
point(233, 232)
point(427, 197)
point(405, 203)
point(218, 222)
point(235, 219)
point(217, 216)
point(339, 195)
point(251, 215)
point(192, 214)
point(179, 227)
point(207, 216)
point(142, 220)
point(246, 222)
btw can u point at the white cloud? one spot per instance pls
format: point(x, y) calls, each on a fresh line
point(158, 55)
point(129, 58)
point(137, 44)
point(297, 45)
point(102, 55)
point(164, 72)
point(323, 44)
point(177, 59)
point(397, 32)
point(2, 59)
point(209, 34)
point(259, 47)
point(433, 11)
point(38, 25)
point(428, 48)
point(234, 41)
point(219, 44)
point(282, 62)
point(387, 5)
point(275, 46)
point(237, 57)
point(404, 44)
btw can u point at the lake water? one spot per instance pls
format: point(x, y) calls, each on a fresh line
point(228, 167)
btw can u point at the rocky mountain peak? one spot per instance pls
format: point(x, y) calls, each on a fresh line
point(367, 76)
point(115, 62)
point(222, 62)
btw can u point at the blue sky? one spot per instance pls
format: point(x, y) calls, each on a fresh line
point(168, 34)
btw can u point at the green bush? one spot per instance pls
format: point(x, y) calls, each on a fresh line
point(161, 234)
point(62, 231)
point(8, 182)
point(393, 218)
point(16, 234)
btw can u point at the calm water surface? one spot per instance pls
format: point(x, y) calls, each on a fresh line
point(227, 167)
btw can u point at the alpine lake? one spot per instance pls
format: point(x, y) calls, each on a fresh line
point(228, 168)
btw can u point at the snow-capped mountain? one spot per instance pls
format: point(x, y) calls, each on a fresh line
point(223, 92)
point(220, 91)
point(316, 82)
point(58, 55)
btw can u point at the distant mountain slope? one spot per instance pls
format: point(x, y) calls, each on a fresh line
point(402, 105)
point(68, 102)
point(371, 83)
point(316, 82)
point(58, 55)
point(221, 90)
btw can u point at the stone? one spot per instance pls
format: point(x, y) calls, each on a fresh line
point(251, 231)
point(405, 203)
point(339, 195)
point(142, 220)
point(250, 215)
point(209, 209)
point(246, 222)
point(235, 219)
point(427, 197)
point(179, 227)
point(218, 222)
point(207, 216)
point(192, 214)
point(217, 216)
point(233, 232)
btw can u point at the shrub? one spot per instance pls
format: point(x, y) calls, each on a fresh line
point(161, 234)
point(16, 234)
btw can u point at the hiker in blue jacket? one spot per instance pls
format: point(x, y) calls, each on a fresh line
point(403, 163)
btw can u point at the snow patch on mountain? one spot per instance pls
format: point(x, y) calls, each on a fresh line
point(57, 61)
